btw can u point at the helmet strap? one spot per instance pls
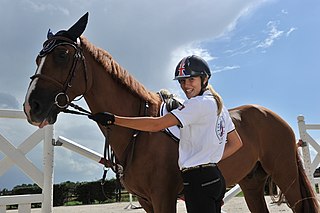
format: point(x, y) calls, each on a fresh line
point(203, 85)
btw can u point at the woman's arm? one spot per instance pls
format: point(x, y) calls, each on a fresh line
point(234, 144)
point(149, 124)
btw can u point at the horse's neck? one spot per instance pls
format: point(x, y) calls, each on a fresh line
point(107, 94)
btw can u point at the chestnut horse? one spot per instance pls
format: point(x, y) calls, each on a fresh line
point(69, 66)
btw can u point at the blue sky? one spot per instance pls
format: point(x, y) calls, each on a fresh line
point(260, 52)
point(275, 53)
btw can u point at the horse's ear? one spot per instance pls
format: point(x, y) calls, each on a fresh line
point(78, 28)
point(49, 34)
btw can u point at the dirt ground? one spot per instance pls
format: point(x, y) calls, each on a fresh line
point(235, 205)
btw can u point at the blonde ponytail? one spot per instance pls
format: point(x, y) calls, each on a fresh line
point(217, 97)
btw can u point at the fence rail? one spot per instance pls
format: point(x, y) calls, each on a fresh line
point(309, 165)
point(44, 179)
point(17, 156)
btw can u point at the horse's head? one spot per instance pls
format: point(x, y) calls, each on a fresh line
point(59, 64)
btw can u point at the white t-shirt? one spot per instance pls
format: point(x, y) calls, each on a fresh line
point(203, 134)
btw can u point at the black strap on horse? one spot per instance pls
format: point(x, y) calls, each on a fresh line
point(49, 45)
point(109, 158)
point(80, 111)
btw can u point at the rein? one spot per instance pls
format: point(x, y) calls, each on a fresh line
point(80, 111)
point(48, 47)
point(109, 159)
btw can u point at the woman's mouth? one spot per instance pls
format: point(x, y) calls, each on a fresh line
point(189, 92)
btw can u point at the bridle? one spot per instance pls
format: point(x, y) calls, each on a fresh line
point(109, 159)
point(48, 46)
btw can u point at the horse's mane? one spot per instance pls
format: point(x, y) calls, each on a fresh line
point(119, 73)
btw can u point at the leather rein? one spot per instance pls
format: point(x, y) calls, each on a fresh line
point(49, 45)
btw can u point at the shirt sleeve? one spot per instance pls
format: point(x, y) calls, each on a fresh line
point(229, 123)
point(189, 112)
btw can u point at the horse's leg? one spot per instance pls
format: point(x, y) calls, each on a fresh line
point(165, 191)
point(166, 204)
point(253, 188)
point(158, 176)
point(147, 206)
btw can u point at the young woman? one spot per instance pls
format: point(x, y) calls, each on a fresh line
point(207, 135)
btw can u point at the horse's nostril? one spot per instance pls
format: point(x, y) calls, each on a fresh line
point(35, 106)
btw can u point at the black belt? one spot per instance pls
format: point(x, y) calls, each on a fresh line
point(198, 167)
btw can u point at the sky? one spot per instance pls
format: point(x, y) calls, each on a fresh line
point(262, 52)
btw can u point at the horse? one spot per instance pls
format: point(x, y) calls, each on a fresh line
point(69, 66)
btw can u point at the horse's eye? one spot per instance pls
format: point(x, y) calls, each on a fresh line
point(61, 56)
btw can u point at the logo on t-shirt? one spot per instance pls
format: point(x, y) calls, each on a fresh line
point(220, 128)
point(181, 107)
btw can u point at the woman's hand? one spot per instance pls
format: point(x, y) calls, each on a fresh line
point(103, 118)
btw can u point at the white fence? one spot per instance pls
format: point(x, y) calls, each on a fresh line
point(309, 164)
point(17, 156)
point(44, 179)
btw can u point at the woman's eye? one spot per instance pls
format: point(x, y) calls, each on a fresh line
point(181, 81)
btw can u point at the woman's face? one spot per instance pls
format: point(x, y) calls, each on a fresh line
point(191, 86)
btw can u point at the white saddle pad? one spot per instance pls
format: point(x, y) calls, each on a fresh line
point(174, 131)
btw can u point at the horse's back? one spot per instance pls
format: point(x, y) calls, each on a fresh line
point(265, 136)
point(258, 118)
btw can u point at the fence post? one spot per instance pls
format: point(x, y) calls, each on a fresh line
point(48, 154)
point(43, 179)
point(305, 149)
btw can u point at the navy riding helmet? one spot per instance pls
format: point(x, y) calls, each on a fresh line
point(192, 66)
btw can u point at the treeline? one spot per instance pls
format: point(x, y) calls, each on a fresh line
point(70, 193)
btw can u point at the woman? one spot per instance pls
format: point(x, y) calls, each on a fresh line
point(205, 127)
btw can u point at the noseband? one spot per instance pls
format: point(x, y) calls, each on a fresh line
point(48, 47)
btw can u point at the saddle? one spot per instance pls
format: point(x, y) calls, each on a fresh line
point(170, 100)
point(169, 103)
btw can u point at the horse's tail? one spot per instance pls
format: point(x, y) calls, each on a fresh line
point(309, 198)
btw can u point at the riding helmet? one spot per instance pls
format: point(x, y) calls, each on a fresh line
point(192, 66)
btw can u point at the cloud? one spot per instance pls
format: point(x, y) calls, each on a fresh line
point(8, 101)
point(139, 38)
point(148, 38)
point(45, 7)
point(79, 166)
point(226, 68)
point(273, 34)
point(193, 48)
point(250, 43)
point(247, 45)
point(290, 31)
